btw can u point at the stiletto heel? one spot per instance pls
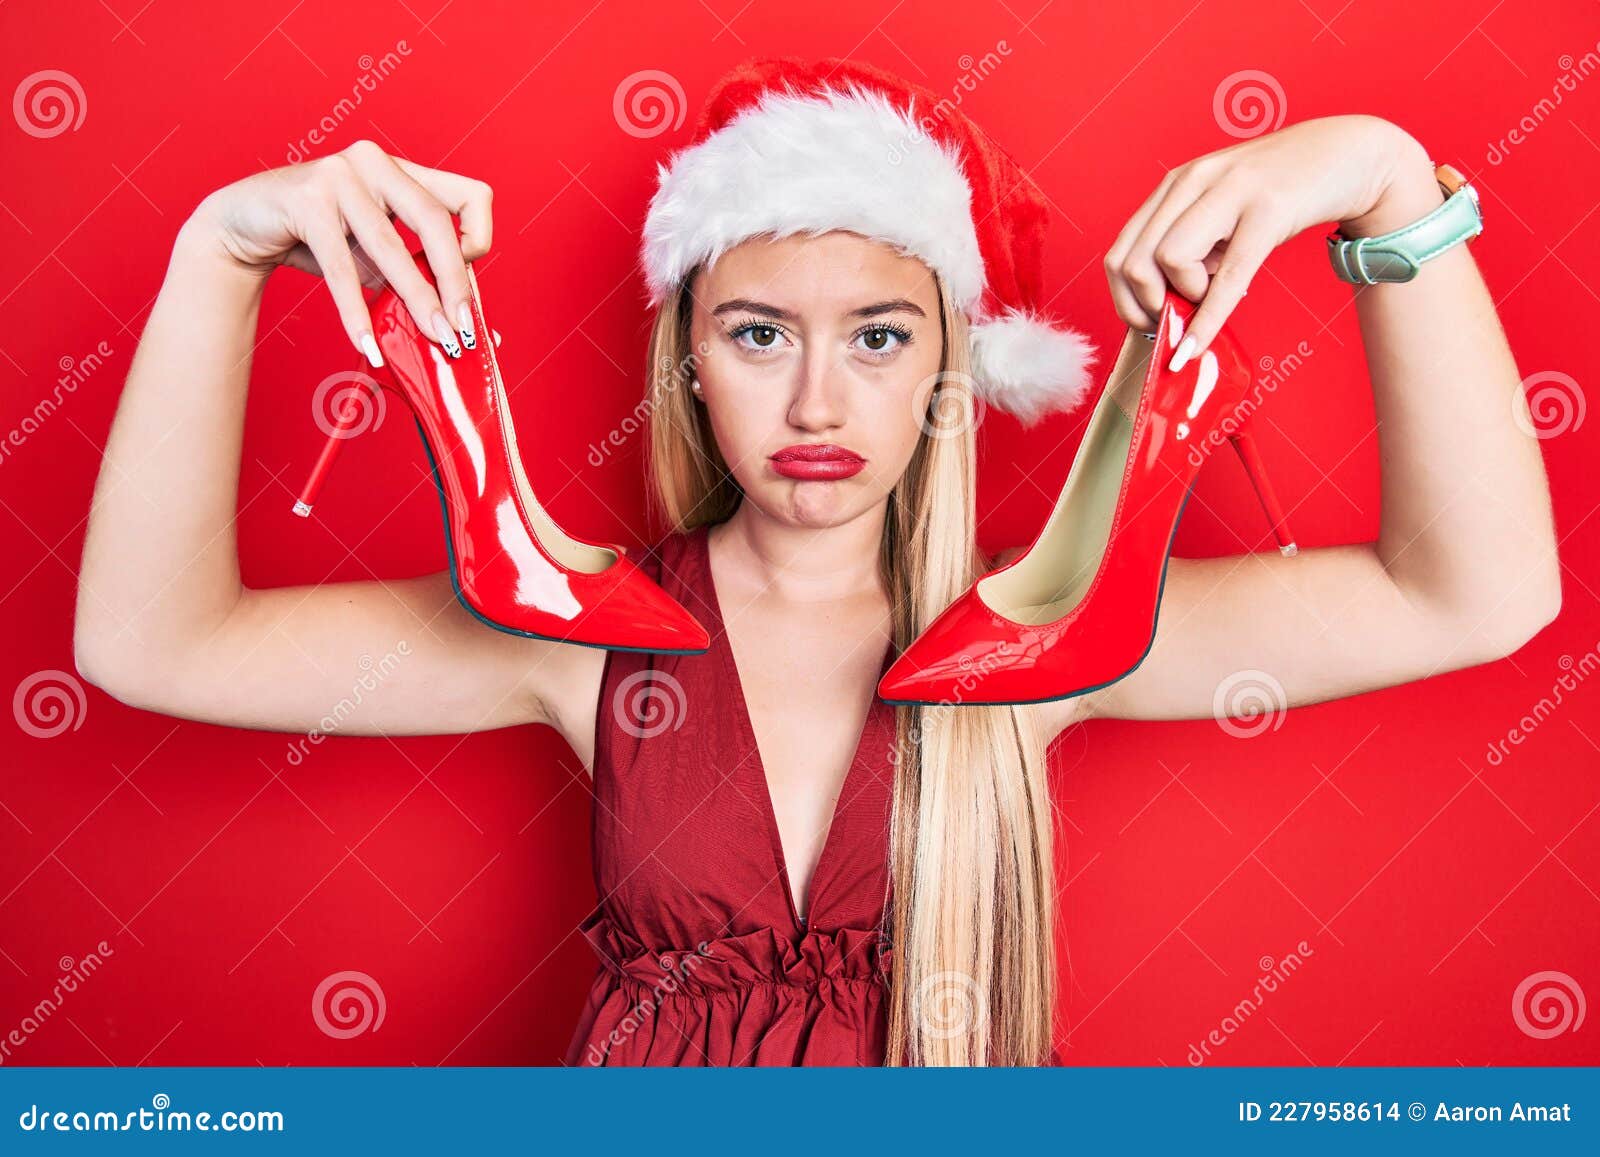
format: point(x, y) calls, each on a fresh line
point(1077, 611)
point(1245, 444)
point(511, 565)
point(344, 428)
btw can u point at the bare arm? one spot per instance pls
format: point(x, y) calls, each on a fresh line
point(1464, 570)
point(163, 621)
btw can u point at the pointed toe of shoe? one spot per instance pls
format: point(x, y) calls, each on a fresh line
point(947, 663)
point(664, 624)
point(905, 682)
point(678, 630)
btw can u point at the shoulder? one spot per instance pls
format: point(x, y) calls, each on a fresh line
point(674, 560)
point(578, 674)
point(663, 553)
point(1057, 716)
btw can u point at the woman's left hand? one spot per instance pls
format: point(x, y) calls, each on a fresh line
point(1211, 223)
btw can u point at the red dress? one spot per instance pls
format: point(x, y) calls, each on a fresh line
point(703, 957)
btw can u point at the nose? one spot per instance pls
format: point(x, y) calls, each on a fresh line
point(819, 392)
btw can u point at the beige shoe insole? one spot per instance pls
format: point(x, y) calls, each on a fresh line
point(570, 553)
point(1051, 580)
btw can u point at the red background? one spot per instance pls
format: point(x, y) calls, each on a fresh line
point(230, 881)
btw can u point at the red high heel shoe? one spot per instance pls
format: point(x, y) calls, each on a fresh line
point(510, 564)
point(1077, 611)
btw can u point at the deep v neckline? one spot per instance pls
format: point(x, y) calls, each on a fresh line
point(763, 789)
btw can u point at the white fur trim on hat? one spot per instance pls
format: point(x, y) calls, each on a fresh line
point(794, 164)
point(849, 159)
point(1028, 366)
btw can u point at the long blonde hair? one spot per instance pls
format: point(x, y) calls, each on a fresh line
point(971, 867)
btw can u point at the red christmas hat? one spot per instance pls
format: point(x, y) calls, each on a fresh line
point(786, 145)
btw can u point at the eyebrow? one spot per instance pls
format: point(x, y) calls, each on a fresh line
point(745, 305)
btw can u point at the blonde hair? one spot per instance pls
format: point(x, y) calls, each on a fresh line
point(971, 869)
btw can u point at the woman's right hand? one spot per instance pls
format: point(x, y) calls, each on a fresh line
point(164, 621)
point(332, 217)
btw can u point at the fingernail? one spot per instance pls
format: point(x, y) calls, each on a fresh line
point(468, 338)
point(445, 335)
point(496, 334)
point(369, 347)
point(1184, 353)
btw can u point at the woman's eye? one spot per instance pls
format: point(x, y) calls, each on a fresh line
point(878, 340)
point(882, 339)
point(764, 337)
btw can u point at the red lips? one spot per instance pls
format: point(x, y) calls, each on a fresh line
point(814, 462)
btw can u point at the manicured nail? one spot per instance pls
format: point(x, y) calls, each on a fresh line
point(1185, 352)
point(468, 338)
point(496, 334)
point(445, 335)
point(369, 347)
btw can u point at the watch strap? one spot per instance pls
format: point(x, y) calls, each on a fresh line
point(1398, 255)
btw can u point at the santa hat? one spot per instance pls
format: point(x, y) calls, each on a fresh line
point(786, 146)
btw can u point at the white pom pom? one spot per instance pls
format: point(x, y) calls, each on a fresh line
point(1026, 365)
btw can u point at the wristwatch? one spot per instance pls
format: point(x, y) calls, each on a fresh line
point(1397, 256)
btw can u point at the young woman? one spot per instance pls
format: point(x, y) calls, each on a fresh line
point(791, 870)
